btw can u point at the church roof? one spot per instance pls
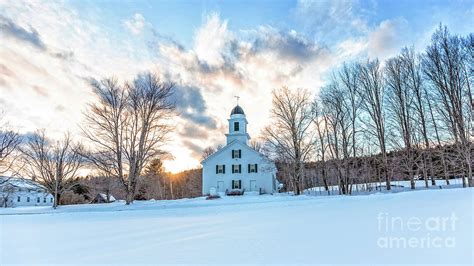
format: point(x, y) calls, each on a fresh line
point(237, 110)
point(242, 145)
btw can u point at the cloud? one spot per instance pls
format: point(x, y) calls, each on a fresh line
point(135, 24)
point(288, 45)
point(194, 148)
point(40, 91)
point(5, 71)
point(388, 38)
point(70, 48)
point(351, 48)
point(64, 55)
point(31, 36)
point(191, 106)
point(331, 20)
point(211, 40)
point(59, 108)
point(192, 131)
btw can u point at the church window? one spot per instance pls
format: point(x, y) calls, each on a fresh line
point(18, 199)
point(236, 184)
point(252, 168)
point(236, 153)
point(236, 168)
point(236, 126)
point(220, 169)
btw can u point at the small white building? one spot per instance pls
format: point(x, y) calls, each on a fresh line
point(15, 192)
point(103, 198)
point(236, 166)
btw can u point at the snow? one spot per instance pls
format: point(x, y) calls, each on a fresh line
point(397, 186)
point(278, 229)
point(104, 197)
point(21, 183)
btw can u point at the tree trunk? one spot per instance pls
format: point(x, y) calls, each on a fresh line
point(425, 172)
point(469, 173)
point(412, 180)
point(57, 198)
point(445, 170)
point(171, 189)
point(297, 177)
point(469, 169)
point(129, 198)
point(325, 181)
point(387, 176)
point(432, 175)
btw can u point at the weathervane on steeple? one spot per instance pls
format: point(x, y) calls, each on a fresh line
point(237, 97)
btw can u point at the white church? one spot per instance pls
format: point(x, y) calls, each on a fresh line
point(237, 167)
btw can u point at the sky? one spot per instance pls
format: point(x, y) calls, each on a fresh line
point(211, 50)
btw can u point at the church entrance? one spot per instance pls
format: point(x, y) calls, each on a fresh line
point(253, 185)
point(220, 186)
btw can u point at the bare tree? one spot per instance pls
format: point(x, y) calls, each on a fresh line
point(9, 142)
point(207, 152)
point(400, 101)
point(320, 122)
point(372, 94)
point(414, 81)
point(349, 77)
point(256, 145)
point(445, 65)
point(128, 126)
point(288, 137)
point(54, 165)
point(337, 116)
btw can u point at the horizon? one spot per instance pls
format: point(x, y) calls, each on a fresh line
point(51, 50)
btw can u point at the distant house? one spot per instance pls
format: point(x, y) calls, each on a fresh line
point(102, 198)
point(15, 192)
point(237, 167)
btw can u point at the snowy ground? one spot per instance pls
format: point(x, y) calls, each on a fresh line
point(277, 229)
point(397, 186)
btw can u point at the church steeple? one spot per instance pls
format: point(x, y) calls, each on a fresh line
point(237, 126)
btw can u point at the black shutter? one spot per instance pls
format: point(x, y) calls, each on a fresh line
point(223, 168)
point(256, 168)
point(240, 184)
point(240, 153)
point(240, 168)
point(217, 169)
point(232, 154)
point(249, 168)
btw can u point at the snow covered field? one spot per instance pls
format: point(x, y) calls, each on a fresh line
point(429, 226)
point(397, 186)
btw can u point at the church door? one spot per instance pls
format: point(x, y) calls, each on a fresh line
point(253, 185)
point(220, 186)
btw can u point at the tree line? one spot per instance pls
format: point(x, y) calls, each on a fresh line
point(409, 116)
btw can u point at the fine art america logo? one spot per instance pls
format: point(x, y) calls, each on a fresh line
point(416, 232)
